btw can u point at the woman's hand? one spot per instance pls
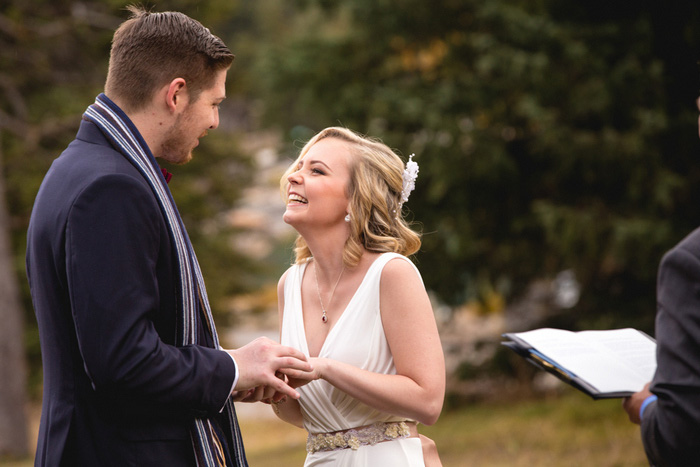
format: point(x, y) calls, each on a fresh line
point(430, 452)
point(257, 394)
point(298, 379)
point(261, 393)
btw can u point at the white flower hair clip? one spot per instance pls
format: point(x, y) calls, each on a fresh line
point(410, 174)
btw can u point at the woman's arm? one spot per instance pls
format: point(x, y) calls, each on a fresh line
point(289, 411)
point(417, 390)
point(286, 409)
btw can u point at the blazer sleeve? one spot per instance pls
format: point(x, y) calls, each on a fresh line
point(671, 425)
point(113, 246)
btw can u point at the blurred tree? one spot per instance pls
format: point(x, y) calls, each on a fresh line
point(13, 371)
point(52, 62)
point(38, 93)
point(551, 135)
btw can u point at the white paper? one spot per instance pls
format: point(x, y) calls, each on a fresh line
point(611, 361)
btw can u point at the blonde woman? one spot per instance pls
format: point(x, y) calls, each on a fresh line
point(356, 307)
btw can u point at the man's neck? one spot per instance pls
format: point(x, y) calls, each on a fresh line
point(149, 122)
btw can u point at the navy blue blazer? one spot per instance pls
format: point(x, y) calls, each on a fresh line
point(671, 425)
point(104, 283)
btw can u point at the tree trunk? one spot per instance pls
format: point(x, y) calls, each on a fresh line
point(13, 371)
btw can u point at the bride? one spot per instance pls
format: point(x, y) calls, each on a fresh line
point(357, 307)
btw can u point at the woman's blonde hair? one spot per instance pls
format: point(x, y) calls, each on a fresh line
point(376, 181)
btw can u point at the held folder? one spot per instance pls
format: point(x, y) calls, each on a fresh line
point(603, 364)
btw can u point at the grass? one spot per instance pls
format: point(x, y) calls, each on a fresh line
point(571, 431)
point(567, 431)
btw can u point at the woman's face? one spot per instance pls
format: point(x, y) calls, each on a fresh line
point(317, 190)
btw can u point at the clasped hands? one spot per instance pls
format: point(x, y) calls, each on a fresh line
point(269, 371)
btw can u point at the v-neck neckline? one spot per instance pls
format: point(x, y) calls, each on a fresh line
point(342, 315)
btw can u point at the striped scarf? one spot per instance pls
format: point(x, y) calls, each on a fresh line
point(125, 137)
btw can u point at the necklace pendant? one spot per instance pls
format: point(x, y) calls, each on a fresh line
point(324, 318)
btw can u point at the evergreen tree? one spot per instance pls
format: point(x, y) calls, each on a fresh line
point(551, 135)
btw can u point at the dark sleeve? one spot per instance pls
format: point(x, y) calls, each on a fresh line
point(113, 240)
point(671, 425)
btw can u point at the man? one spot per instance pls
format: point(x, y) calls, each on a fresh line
point(133, 370)
point(668, 408)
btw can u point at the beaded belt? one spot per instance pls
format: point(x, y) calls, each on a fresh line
point(356, 437)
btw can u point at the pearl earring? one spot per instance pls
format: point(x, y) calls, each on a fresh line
point(347, 218)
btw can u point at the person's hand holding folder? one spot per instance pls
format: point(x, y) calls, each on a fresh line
point(635, 403)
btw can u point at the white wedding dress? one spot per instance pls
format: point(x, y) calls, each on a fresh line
point(356, 338)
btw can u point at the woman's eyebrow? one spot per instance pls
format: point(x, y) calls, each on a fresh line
point(315, 161)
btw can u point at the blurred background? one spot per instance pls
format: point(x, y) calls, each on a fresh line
point(559, 159)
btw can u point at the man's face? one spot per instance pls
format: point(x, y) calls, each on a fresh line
point(193, 123)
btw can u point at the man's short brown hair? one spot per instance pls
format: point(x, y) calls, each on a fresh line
point(149, 50)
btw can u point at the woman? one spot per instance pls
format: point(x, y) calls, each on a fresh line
point(357, 307)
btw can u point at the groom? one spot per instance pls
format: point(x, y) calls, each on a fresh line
point(133, 370)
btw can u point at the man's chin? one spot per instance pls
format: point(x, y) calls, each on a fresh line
point(178, 159)
point(185, 159)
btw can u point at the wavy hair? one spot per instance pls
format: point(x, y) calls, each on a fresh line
point(376, 181)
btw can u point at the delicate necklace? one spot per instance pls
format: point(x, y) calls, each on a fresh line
point(324, 318)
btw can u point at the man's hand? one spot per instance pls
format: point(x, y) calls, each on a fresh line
point(259, 363)
point(633, 403)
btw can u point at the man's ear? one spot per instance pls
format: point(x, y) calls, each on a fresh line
point(176, 97)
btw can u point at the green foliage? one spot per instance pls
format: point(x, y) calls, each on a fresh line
point(205, 190)
point(52, 64)
point(544, 132)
